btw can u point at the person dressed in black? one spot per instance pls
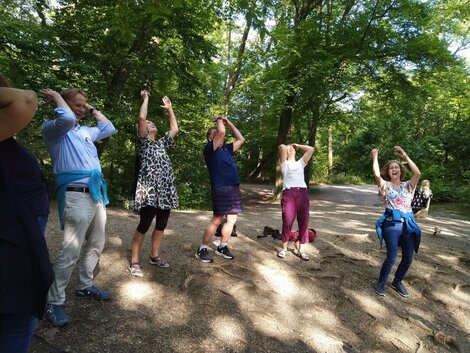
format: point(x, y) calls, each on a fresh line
point(25, 270)
point(422, 197)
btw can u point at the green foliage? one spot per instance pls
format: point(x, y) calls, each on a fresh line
point(379, 74)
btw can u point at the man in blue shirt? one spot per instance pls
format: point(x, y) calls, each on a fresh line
point(225, 187)
point(81, 195)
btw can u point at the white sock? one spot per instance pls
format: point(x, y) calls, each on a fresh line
point(203, 247)
point(221, 245)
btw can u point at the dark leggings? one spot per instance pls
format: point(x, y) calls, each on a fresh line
point(146, 217)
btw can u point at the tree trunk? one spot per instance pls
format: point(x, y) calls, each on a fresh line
point(121, 74)
point(312, 138)
point(278, 183)
point(330, 151)
point(285, 122)
point(236, 73)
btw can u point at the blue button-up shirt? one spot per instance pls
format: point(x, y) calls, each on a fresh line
point(70, 145)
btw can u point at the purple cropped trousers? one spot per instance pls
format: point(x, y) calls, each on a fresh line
point(295, 203)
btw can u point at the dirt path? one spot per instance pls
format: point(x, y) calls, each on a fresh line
point(259, 303)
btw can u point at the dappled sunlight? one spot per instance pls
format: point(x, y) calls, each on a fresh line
point(450, 259)
point(228, 330)
point(462, 318)
point(455, 298)
point(371, 303)
point(360, 238)
point(186, 211)
point(322, 317)
point(181, 344)
point(448, 222)
point(113, 241)
point(349, 188)
point(205, 218)
point(362, 211)
point(279, 280)
point(137, 291)
point(449, 233)
point(322, 341)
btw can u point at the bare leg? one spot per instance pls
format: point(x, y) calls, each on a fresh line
point(228, 227)
point(211, 228)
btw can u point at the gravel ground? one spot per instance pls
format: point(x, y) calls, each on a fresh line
point(259, 303)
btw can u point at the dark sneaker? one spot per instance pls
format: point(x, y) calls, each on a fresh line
point(93, 292)
point(380, 289)
point(398, 286)
point(224, 252)
point(56, 315)
point(203, 255)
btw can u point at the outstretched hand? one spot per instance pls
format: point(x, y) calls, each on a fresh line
point(166, 103)
point(374, 153)
point(144, 94)
point(221, 116)
point(399, 152)
point(51, 95)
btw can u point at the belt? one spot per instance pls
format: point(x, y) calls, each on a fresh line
point(78, 189)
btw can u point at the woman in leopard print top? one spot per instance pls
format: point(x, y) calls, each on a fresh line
point(156, 192)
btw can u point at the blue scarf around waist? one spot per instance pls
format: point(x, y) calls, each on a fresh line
point(397, 216)
point(96, 184)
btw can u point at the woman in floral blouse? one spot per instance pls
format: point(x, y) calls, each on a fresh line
point(156, 192)
point(397, 226)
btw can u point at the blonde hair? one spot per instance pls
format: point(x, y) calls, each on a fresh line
point(68, 94)
point(426, 188)
point(384, 170)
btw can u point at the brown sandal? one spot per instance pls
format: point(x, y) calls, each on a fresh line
point(302, 255)
point(158, 261)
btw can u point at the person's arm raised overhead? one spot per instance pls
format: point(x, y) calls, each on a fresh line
point(64, 117)
point(173, 123)
point(308, 151)
point(142, 124)
point(239, 139)
point(17, 108)
point(375, 167)
point(282, 149)
point(414, 169)
point(218, 140)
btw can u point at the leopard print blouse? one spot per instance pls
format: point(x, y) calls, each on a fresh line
point(155, 183)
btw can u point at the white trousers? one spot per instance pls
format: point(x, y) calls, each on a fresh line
point(84, 237)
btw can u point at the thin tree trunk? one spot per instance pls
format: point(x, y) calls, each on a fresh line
point(122, 73)
point(330, 151)
point(312, 138)
point(236, 73)
point(285, 121)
